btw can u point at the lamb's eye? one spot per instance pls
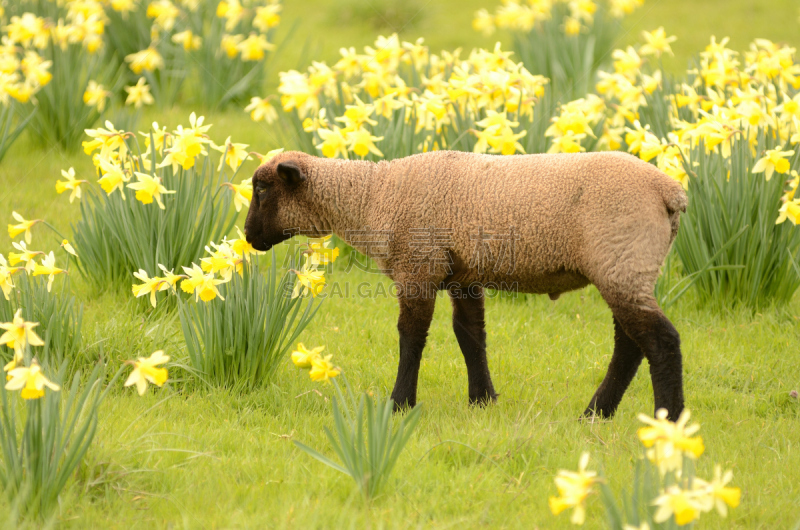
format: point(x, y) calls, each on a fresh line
point(261, 189)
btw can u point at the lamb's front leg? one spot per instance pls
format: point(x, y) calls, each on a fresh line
point(469, 327)
point(415, 319)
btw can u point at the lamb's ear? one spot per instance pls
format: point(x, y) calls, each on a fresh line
point(291, 172)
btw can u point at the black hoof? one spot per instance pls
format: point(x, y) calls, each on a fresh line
point(593, 414)
point(402, 405)
point(481, 400)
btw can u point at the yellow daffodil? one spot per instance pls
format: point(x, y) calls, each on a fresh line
point(667, 442)
point(573, 488)
point(322, 369)
point(203, 285)
point(483, 21)
point(651, 147)
point(261, 109)
point(320, 251)
point(302, 357)
point(113, 178)
point(160, 137)
point(24, 256)
point(232, 11)
point(677, 502)
point(146, 60)
point(6, 283)
point(28, 29)
point(164, 12)
point(107, 139)
point(569, 143)
point(253, 47)
point(223, 260)
point(724, 496)
point(48, 268)
point(16, 360)
point(169, 280)
point(774, 161)
point(68, 247)
point(207, 290)
point(620, 8)
point(149, 188)
point(70, 184)
point(627, 62)
point(242, 193)
point(22, 225)
point(333, 142)
point(791, 211)
point(506, 142)
point(242, 248)
point(187, 144)
point(583, 10)
point(96, 96)
point(194, 277)
point(19, 333)
point(31, 381)
point(139, 94)
point(230, 44)
point(233, 154)
point(36, 68)
point(309, 279)
point(269, 156)
point(657, 42)
point(147, 370)
point(148, 286)
point(22, 92)
point(267, 17)
point(572, 26)
point(123, 6)
point(361, 142)
point(634, 137)
point(188, 40)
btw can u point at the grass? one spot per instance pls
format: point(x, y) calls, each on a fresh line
point(219, 459)
point(196, 458)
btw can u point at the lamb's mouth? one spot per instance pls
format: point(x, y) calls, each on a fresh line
point(261, 246)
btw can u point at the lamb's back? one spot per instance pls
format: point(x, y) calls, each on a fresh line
point(556, 207)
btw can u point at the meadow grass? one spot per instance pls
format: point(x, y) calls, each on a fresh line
point(189, 456)
point(213, 458)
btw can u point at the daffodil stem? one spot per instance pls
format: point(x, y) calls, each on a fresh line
point(51, 227)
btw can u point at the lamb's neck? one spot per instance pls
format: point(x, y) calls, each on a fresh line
point(342, 191)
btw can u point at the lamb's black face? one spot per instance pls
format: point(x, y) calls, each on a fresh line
point(276, 190)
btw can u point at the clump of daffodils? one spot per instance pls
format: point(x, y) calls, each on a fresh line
point(25, 259)
point(319, 367)
point(227, 258)
point(403, 82)
point(732, 98)
point(682, 497)
point(223, 261)
point(19, 336)
point(24, 70)
point(120, 165)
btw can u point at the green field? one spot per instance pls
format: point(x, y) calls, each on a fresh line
point(200, 458)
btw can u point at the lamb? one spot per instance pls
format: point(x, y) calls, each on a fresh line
point(566, 220)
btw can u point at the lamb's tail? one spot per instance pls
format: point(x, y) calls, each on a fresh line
point(675, 200)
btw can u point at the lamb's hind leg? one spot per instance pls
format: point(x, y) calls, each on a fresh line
point(469, 328)
point(413, 323)
point(624, 365)
point(646, 324)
